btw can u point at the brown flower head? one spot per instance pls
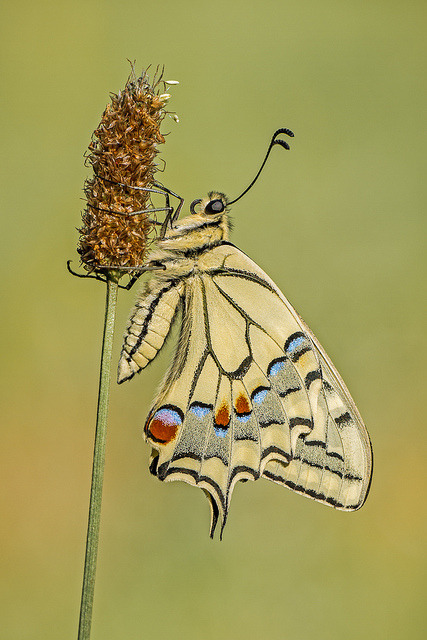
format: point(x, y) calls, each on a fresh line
point(122, 154)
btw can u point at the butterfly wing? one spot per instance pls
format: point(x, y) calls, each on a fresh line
point(251, 394)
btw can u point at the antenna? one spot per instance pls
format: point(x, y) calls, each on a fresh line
point(274, 141)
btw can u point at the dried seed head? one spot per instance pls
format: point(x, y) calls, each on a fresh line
point(122, 154)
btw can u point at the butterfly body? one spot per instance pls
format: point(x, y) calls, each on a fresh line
point(250, 392)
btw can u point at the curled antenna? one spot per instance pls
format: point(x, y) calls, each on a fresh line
point(274, 141)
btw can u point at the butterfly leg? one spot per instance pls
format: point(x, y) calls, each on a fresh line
point(84, 275)
point(154, 265)
point(172, 215)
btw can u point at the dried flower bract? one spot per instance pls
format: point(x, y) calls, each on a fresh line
point(122, 154)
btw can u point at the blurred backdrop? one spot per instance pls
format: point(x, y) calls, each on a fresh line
point(338, 222)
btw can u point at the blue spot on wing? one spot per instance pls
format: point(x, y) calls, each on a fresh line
point(220, 431)
point(168, 416)
point(295, 344)
point(200, 410)
point(259, 396)
point(275, 367)
point(244, 417)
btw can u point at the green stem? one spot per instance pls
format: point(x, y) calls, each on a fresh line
point(98, 463)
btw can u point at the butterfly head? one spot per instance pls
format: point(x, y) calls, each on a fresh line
point(212, 207)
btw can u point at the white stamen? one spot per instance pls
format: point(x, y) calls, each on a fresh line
point(171, 82)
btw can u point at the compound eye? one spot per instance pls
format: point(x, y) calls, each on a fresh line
point(215, 206)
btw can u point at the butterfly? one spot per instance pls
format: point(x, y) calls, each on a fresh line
point(250, 392)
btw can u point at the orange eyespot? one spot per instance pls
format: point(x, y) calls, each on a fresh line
point(242, 406)
point(222, 417)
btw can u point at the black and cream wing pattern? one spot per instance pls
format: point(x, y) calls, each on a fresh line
point(250, 394)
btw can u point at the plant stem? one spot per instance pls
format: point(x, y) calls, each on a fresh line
point(98, 463)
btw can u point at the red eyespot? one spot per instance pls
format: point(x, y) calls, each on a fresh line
point(163, 427)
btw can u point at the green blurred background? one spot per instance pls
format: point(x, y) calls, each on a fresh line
point(338, 223)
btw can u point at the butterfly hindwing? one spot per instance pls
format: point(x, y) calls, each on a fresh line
point(252, 394)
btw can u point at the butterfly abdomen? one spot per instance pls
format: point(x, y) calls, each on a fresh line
point(149, 325)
